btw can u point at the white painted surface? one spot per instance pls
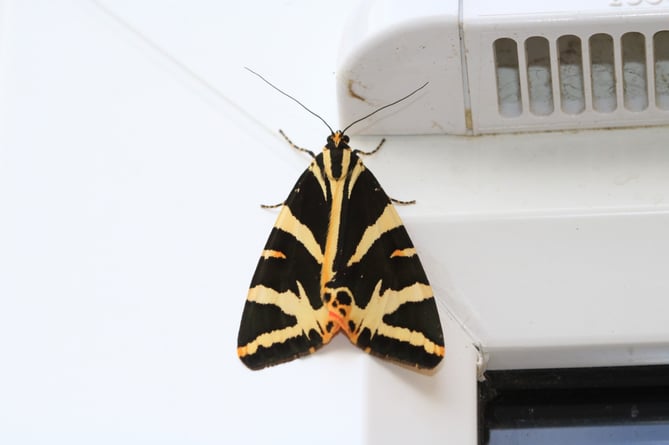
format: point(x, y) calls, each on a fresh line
point(389, 49)
point(134, 151)
point(134, 154)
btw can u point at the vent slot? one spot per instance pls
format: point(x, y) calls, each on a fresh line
point(661, 53)
point(635, 85)
point(603, 73)
point(570, 62)
point(508, 79)
point(540, 83)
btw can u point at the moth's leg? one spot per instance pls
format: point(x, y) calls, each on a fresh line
point(311, 153)
point(367, 153)
point(404, 203)
point(271, 206)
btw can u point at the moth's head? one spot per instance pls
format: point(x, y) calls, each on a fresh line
point(337, 156)
point(337, 140)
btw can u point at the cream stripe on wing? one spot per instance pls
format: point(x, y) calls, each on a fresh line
point(388, 302)
point(291, 304)
point(318, 174)
point(414, 337)
point(359, 168)
point(388, 220)
point(269, 338)
point(290, 224)
point(371, 317)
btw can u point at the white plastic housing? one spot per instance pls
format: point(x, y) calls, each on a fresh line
point(498, 67)
point(390, 49)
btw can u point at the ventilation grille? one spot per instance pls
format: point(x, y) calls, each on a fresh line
point(508, 67)
point(572, 75)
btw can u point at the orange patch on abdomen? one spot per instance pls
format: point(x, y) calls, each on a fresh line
point(336, 317)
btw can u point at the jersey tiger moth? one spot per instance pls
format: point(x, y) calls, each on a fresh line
point(339, 259)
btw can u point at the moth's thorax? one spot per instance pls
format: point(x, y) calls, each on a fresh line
point(337, 156)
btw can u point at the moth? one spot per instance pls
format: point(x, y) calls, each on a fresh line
point(339, 259)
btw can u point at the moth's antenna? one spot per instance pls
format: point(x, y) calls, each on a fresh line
point(385, 106)
point(300, 103)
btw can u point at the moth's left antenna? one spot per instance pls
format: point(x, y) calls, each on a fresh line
point(288, 95)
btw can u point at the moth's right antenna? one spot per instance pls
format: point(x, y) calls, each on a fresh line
point(386, 106)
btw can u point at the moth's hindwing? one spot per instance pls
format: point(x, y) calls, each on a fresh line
point(339, 258)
